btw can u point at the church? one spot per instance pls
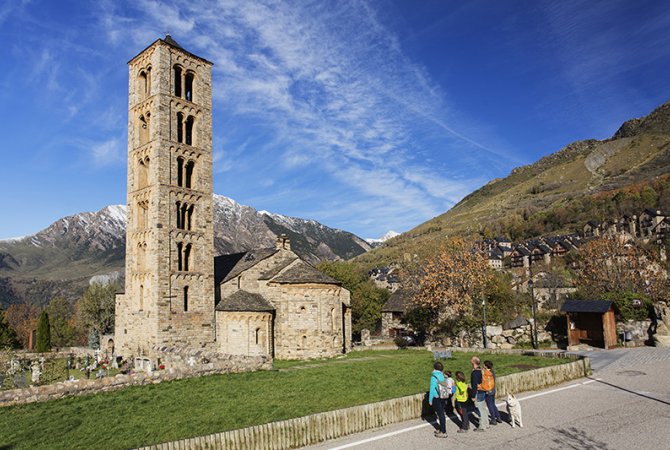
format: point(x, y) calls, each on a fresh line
point(177, 293)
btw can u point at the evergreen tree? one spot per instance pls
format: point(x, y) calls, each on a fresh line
point(43, 334)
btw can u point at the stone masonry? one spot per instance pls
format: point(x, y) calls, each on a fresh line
point(169, 291)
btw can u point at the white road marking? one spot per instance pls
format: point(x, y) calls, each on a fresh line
point(381, 436)
point(416, 427)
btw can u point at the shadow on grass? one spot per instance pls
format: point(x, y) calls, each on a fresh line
point(629, 391)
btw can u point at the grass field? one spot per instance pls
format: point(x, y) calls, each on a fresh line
point(174, 410)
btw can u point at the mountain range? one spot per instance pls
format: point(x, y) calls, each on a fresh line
point(556, 193)
point(63, 258)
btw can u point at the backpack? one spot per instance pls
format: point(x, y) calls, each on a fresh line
point(452, 383)
point(442, 389)
point(488, 382)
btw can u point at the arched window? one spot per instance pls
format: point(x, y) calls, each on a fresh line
point(304, 342)
point(185, 298)
point(189, 130)
point(143, 85)
point(177, 81)
point(144, 128)
point(147, 85)
point(143, 173)
point(333, 318)
point(180, 171)
point(141, 297)
point(258, 335)
point(182, 213)
point(188, 86)
point(189, 217)
point(178, 205)
point(180, 264)
point(187, 256)
point(180, 127)
point(189, 174)
point(142, 215)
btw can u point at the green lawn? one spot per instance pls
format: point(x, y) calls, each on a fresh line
point(174, 410)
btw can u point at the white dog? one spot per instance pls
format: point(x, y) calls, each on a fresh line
point(514, 410)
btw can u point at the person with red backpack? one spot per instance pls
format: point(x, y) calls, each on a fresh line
point(479, 393)
point(491, 395)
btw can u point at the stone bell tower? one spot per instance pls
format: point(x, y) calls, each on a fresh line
point(169, 292)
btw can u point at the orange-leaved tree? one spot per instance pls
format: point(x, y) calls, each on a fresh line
point(22, 317)
point(454, 280)
point(616, 264)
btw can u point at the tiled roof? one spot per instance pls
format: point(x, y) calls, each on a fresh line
point(586, 306)
point(244, 301)
point(227, 267)
point(397, 302)
point(303, 272)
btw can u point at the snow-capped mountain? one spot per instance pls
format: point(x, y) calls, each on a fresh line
point(377, 242)
point(76, 248)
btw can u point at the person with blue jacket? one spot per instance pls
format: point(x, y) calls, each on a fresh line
point(434, 399)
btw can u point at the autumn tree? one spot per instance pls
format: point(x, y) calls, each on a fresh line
point(22, 317)
point(454, 280)
point(8, 338)
point(613, 264)
point(96, 308)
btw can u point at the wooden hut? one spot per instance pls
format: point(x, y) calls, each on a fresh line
point(591, 322)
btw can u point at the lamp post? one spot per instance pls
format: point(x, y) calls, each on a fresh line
point(484, 329)
point(532, 300)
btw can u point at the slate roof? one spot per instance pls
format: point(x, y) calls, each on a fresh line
point(303, 272)
point(244, 301)
point(586, 306)
point(227, 267)
point(172, 43)
point(278, 267)
point(397, 302)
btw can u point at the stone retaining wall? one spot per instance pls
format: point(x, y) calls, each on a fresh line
point(316, 428)
point(232, 364)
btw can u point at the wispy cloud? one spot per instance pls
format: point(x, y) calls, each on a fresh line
point(110, 151)
point(329, 84)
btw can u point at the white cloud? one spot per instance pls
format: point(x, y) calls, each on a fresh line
point(107, 152)
point(331, 88)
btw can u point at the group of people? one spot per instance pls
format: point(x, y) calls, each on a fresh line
point(447, 395)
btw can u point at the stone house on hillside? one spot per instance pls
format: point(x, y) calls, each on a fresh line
point(269, 301)
point(393, 312)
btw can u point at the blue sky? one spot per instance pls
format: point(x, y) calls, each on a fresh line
point(364, 115)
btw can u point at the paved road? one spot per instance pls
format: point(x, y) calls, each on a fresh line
point(625, 405)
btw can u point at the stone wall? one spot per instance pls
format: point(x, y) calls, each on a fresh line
point(320, 427)
point(181, 364)
point(637, 331)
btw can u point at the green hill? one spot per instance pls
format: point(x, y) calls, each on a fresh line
point(586, 180)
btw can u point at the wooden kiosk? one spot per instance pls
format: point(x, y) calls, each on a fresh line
point(591, 322)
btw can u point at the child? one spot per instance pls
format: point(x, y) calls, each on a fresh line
point(451, 385)
point(491, 398)
point(462, 401)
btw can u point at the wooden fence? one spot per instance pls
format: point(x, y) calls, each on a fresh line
point(320, 427)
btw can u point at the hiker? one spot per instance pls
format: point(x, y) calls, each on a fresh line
point(463, 403)
point(479, 395)
point(491, 395)
point(436, 400)
point(451, 386)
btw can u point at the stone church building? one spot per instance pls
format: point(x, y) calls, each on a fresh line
point(177, 294)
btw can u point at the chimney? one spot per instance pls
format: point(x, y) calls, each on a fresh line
point(283, 242)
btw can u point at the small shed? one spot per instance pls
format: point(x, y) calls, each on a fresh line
point(591, 322)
